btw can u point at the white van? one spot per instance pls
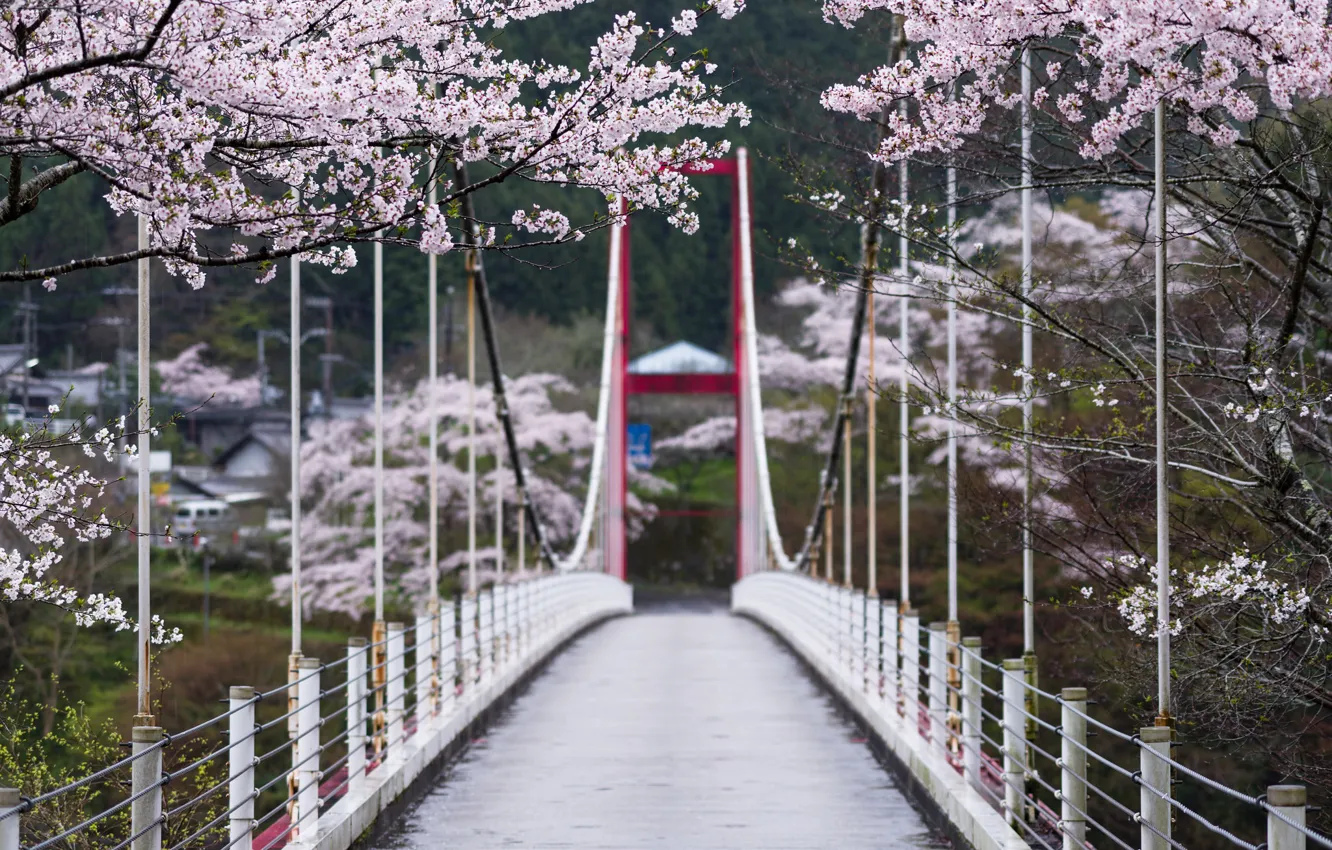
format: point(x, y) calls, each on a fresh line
point(206, 516)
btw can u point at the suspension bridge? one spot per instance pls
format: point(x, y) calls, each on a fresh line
point(661, 728)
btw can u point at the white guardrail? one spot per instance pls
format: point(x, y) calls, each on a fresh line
point(1005, 762)
point(354, 733)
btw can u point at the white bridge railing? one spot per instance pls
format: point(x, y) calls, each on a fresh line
point(347, 736)
point(949, 710)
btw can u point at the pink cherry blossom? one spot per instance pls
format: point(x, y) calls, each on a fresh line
point(187, 376)
point(301, 126)
point(1129, 57)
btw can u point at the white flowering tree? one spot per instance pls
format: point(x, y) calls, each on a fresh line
point(245, 131)
point(337, 535)
point(49, 504)
point(1245, 89)
point(187, 376)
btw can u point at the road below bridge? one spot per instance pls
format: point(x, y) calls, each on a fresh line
point(680, 727)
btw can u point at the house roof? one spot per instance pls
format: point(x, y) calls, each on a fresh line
point(680, 358)
point(276, 440)
point(224, 488)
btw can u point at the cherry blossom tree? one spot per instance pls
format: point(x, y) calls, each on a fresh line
point(48, 502)
point(245, 131)
point(188, 377)
point(1245, 88)
point(338, 485)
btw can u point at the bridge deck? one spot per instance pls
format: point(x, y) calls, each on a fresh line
point(669, 729)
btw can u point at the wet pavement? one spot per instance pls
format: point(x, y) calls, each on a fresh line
point(680, 727)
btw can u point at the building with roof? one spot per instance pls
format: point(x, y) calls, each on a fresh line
point(680, 358)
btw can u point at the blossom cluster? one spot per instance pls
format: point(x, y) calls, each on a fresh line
point(1211, 61)
point(337, 484)
point(188, 377)
point(1238, 582)
point(297, 127)
point(46, 503)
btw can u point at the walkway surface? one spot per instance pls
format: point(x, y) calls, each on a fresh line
point(687, 729)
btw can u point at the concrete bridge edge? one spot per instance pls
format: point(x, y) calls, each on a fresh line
point(356, 820)
point(949, 802)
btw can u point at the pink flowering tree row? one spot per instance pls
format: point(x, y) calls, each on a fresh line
point(1245, 87)
point(243, 131)
point(337, 536)
point(246, 130)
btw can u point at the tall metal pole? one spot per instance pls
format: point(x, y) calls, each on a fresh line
point(379, 631)
point(1162, 487)
point(1029, 471)
point(144, 521)
point(846, 497)
point(499, 503)
point(327, 359)
point(432, 401)
point(263, 370)
point(379, 437)
point(294, 658)
point(954, 628)
point(903, 409)
point(871, 443)
point(28, 308)
point(471, 422)
point(1030, 668)
point(952, 397)
point(522, 535)
point(296, 613)
point(827, 536)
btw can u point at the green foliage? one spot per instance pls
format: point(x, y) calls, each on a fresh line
point(36, 762)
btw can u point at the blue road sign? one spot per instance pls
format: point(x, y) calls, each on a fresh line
point(640, 445)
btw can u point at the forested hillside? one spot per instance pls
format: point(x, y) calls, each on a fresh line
point(681, 283)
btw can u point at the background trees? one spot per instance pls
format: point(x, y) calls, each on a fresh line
point(1245, 88)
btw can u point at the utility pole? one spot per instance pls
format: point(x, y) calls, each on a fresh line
point(325, 303)
point(263, 362)
point(28, 308)
point(448, 330)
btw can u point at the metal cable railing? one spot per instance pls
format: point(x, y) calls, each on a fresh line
point(1032, 768)
point(338, 735)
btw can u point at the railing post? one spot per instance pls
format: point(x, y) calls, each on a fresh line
point(501, 603)
point(873, 645)
point(846, 627)
point(524, 591)
point(355, 714)
point(9, 827)
point(971, 709)
point(828, 618)
point(1154, 781)
point(448, 656)
point(485, 614)
point(892, 685)
point(860, 636)
point(1288, 800)
point(911, 670)
point(306, 826)
point(240, 767)
point(938, 649)
point(424, 644)
point(510, 621)
point(1015, 741)
point(467, 630)
point(1073, 767)
point(397, 649)
point(146, 788)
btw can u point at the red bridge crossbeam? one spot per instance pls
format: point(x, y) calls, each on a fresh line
point(722, 383)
